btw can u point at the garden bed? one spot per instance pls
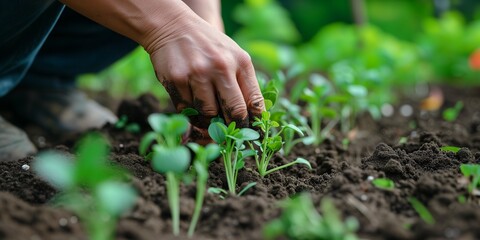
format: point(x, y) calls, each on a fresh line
point(418, 167)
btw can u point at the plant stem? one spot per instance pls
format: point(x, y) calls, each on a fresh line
point(279, 168)
point(173, 201)
point(201, 186)
point(315, 119)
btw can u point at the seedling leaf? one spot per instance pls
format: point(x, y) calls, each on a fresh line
point(190, 112)
point(450, 149)
point(157, 121)
point(115, 197)
point(383, 183)
point(145, 142)
point(174, 160)
point(55, 168)
point(250, 185)
point(294, 128)
point(248, 134)
point(217, 132)
point(422, 211)
point(303, 161)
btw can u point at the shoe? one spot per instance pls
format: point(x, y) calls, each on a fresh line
point(14, 143)
point(58, 112)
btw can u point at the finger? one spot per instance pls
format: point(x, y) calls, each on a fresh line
point(250, 89)
point(231, 101)
point(179, 91)
point(204, 101)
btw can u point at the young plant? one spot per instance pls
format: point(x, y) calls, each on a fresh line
point(291, 113)
point(316, 99)
point(451, 114)
point(472, 172)
point(123, 123)
point(300, 220)
point(271, 143)
point(89, 186)
point(231, 141)
point(203, 157)
point(168, 157)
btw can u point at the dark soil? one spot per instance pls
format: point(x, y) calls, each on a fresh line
point(418, 167)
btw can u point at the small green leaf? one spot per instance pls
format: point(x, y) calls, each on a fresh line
point(295, 128)
point(247, 153)
point(239, 164)
point(145, 142)
point(176, 160)
point(274, 124)
point(268, 104)
point(115, 197)
point(422, 211)
point(122, 122)
point(215, 190)
point(55, 168)
point(190, 112)
point(470, 169)
point(303, 161)
point(217, 132)
point(157, 122)
point(212, 151)
point(231, 127)
point(177, 125)
point(250, 185)
point(383, 183)
point(248, 134)
point(265, 115)
point(133, 128)
point(450, 149)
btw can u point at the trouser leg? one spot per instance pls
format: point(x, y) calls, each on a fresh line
point(25, 24)
point(75, 46)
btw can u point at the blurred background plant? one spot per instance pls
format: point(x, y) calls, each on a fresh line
point(375, 46)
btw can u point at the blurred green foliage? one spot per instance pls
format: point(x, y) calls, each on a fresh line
point(402, 44)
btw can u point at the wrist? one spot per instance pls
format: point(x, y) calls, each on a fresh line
point(162, 25)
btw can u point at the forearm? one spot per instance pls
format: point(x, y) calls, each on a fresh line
point(135, 19)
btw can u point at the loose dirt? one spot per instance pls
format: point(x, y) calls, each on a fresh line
point(418, 167)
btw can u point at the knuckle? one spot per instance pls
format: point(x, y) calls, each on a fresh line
point(256, 102)
point(220, 62)
point(238, 111)
point(178, 75)
point(209, 111)
point(244, 59)
point(200, 68)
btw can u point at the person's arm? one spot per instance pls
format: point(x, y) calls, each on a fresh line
point(199, 65)
point(209, 10)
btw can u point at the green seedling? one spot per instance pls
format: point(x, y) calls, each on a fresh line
point(471, 172)
point(451, 114)
point(383, 183)
point(316, 99)
point(168, 157)
point(271, 143)
point(203, 157)
point(123, 123)
point(422, 211)
point(89, 186)
point(450, 149)
point(300, 220)
point(291, 113)
point(232, 144)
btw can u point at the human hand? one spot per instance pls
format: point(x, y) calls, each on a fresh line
point(204, 69)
